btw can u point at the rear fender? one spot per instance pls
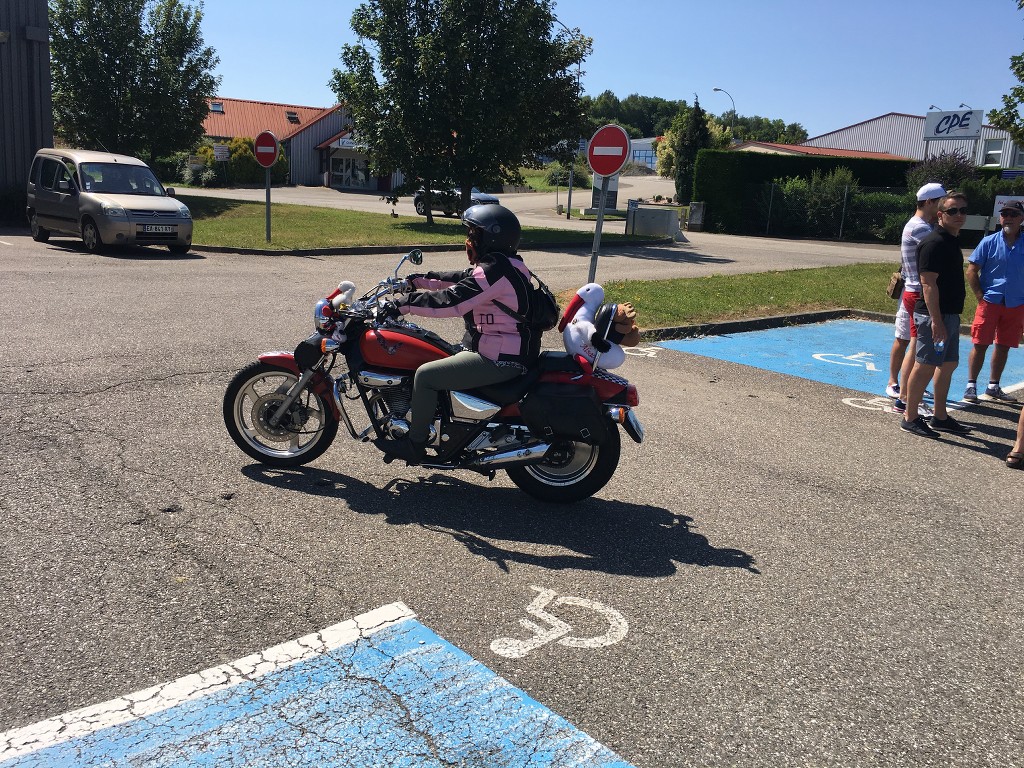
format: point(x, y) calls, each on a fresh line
point(321, 384)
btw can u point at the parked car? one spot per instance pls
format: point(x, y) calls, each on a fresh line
point(449, 201)
point(105, 199)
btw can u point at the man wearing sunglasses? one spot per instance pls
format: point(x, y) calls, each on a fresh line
point(995, 272)
point(940, 263)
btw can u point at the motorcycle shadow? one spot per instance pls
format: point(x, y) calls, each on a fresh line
point(610, 536)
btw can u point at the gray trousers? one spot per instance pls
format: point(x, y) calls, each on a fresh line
point(464, 370)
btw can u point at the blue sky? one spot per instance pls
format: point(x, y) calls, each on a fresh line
point(823, 64)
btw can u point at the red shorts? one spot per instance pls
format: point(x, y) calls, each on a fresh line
point(994, 322)
point(909, 300)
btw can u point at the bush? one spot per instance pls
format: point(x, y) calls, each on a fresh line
point(950, 169)
point(242, 168)
point(558, 176)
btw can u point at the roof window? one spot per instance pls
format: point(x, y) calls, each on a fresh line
point(217, 106)
point(293, 117)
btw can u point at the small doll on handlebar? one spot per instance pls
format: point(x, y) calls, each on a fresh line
point(497, 347)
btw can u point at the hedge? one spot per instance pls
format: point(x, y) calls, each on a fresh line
point(721, 176)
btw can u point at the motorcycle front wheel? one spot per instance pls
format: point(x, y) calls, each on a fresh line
point(571, 471)
point(254, 395)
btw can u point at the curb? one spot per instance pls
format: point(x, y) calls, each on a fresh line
point(764, 323)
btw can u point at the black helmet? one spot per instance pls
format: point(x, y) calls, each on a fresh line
point(497, 226)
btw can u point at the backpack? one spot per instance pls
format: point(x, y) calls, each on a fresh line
point(543, 312)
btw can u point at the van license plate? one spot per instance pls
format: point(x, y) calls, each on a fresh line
point(157, 228)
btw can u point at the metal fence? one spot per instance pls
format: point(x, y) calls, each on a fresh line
point(854, 214)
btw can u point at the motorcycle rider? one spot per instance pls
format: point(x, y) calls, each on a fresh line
point(497, 347)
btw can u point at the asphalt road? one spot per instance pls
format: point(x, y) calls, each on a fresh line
point(803, 584)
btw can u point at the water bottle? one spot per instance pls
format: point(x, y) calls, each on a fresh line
point(940, 350)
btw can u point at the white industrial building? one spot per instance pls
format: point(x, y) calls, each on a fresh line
point(903, 135)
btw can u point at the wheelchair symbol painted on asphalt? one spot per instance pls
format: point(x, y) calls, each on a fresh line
point(556, 630)
point(641, 351)
point(859, 360)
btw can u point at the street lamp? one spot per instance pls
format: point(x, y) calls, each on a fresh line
point(962, 105)
point(732, 120)
point(572, 165)
point(932, 106)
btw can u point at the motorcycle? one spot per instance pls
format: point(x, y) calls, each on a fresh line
point(553, 430)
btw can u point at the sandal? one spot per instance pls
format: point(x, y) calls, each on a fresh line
point(1015, 460)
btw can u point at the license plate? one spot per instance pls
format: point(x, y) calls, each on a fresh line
point(157, 228)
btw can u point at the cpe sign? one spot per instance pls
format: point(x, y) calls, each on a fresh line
point(266, 149)
point(965, 124)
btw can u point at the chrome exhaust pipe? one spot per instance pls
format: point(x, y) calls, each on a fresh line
point(531, 454)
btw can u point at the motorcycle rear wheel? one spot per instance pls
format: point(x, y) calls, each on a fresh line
point(252, 397)
point(572, 472)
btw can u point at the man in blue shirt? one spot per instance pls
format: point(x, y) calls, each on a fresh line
point(995, 273)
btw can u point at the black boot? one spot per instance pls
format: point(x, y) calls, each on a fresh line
point(405, 449)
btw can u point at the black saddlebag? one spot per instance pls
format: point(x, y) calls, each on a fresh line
point(565, 412)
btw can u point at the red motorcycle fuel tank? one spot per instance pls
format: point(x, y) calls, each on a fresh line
point(384, 348)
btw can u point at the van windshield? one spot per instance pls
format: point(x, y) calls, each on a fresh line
point(119, 179)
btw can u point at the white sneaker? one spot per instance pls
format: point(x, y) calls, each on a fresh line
point(893, 391)
point(924, 410)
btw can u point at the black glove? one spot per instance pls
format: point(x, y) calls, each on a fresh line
point(601, 345)
point(388, 311)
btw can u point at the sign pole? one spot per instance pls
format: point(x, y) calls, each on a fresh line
point(268, 205)
point(592, 275)
point(607, 153)
point(266, 148)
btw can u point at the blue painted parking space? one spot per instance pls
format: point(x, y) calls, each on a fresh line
point(853, 354)
point(381, 689)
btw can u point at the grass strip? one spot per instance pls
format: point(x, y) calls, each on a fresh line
point(242, 224)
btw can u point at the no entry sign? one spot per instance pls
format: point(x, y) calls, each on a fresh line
point(267, 149)
point(608, 150)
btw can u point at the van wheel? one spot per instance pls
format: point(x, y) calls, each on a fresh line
point(39, 234)
point(179, 250)
point(91, 236)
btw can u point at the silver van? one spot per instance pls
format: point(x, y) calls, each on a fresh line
point(105, 199)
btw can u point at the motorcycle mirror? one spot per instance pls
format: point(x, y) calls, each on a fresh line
point(416, 256)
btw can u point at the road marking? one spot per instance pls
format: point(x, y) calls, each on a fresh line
point(859, 359)
point(379, 685)
point(641, 351)
point(558, 630)
point(860, 347)
point(4, 242)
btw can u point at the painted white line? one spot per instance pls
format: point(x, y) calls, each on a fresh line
point(616, 151)
point(4, 242)
point(150, 701)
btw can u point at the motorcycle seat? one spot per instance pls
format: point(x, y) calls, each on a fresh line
point(513, 390)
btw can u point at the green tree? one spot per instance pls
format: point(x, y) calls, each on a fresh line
point(640, 116)
point(460, 91)
point(130, 76)
point(690, 135)
point(757, 128)
point(1009, 118)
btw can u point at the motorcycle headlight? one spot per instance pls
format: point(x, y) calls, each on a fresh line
point(323, 316)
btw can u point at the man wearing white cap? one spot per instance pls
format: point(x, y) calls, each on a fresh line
point(920, 226)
